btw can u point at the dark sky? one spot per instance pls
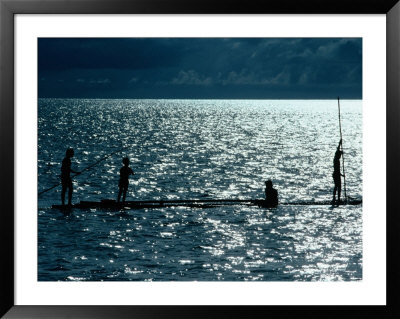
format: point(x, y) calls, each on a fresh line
point(245, 68)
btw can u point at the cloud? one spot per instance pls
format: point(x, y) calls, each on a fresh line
point(251, 78)
point(158, 66)
point(92, 81)
point(341, 50)
point(100, 81)
point(191, 77)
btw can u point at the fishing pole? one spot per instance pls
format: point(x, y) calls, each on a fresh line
point(341, 145)
point(85, 169)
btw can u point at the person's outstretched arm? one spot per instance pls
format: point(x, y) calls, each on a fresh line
point(340, 143)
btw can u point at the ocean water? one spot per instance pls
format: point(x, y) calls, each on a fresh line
point(200, 149)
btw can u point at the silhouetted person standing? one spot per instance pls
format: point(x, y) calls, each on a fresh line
point(271, 195)
point(336, 173)
point(124, 172)
point(66, 180)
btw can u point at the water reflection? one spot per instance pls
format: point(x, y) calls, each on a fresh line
point(201, 149)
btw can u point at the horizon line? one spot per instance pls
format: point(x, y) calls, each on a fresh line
point(170, 98)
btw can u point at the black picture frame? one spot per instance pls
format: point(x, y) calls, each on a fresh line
point(9, 8)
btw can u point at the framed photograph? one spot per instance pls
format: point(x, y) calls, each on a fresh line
point(169, 158)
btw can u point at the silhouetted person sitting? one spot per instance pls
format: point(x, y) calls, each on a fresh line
point(124, 172)
point(336, 173)
point(66, 180)
point(271, 195)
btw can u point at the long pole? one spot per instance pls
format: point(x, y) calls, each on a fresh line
point(344, 175)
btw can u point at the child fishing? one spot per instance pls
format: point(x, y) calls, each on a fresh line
point(124, 172)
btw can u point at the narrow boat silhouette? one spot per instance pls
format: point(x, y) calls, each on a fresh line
point(200, 203)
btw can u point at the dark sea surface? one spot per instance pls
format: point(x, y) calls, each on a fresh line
point(200, 149)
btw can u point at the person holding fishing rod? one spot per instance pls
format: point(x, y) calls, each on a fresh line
point(336, 173)
point(66, 180)
point(66, 171)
